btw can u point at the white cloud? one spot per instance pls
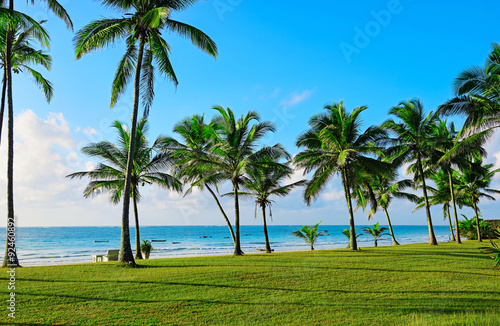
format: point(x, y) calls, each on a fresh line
point(333, 195)
point(296, 98)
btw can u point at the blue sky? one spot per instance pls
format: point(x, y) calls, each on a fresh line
point(286, 60)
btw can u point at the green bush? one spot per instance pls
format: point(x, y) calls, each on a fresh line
point(468, 228)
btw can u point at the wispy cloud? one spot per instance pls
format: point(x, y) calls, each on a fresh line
point(296, 98)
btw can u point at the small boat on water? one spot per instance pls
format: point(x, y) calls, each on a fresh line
point(175, 242)
point(158, 240)
point(99, 241)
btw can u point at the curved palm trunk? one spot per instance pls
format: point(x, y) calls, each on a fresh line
point(223, 214)
point(237, 245)
point(2, 105)
point(138, 254)
point(268, 245)
point(10, 258)
point(353, 244)
point(479, 238)
point(452, 192)
point(432, 237)
point(394, 241)
point(376, 242)
point(126, 255)
point(451, 225)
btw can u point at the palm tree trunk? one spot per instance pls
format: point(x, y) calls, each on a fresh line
point(223, 214)
point(432, 237)
point(2, 105)
point(268, 245)
point(394, 241)
point(479, 238)
point(451, 225)
point(345, 180)
point(452, 191)
point(126, 255)
point(10, 258)
point(138, 254)
point(375, 242)
point(237, 246)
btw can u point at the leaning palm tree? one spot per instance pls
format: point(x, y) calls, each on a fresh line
point(383, 188)
point(265, 180)
point(309, 234)
point(23, 56)
point(195, 143)
point(377, 232)
point(413, 142)
point(149, 168)
point(477, 91)
point(15, 24)
point(232, 152)
point(141, 27)
point(474, 183)
point(336, 145)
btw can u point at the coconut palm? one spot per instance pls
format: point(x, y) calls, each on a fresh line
point(335, 145)
point(309, 233)
point(141, 27)
point(377, 232)
point(232, 152)
point(474, 183)
point(14, 24)
point(23, 56)
point(383, 189)
point(195, 143)
point(413, 142)
point(149, 168)
point(265, 180)
point(493, 251)
point(477, 91)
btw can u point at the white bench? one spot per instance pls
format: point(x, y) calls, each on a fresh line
point(112, 255)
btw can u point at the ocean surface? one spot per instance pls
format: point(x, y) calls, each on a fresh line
point(69, 245)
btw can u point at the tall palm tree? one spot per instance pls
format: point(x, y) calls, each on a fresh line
point(474, 183)
point(382, 189)
point(477, 94)
point(451, 151)
point(232, 152)
point(14, 23)
point(141, 27)
point(195, 143)
point(336, 145)
point(149, 168)
point(264, 181)
point(413, 142)
point(23, 56)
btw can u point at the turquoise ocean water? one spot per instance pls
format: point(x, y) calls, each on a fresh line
point(68, 245)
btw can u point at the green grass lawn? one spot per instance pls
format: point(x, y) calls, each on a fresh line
point(404, 285)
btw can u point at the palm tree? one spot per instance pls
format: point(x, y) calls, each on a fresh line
point(232, 153)
point(23, 55)
point(14, 23)
point(382, 189)
point(110, 176)
point(141, 28)
point(413, 142)
point(477, 93)
point(193, 132)
point(265, 180)
point(474, 184)
point(309, 234)
point(377, 232)
point(335, 145)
